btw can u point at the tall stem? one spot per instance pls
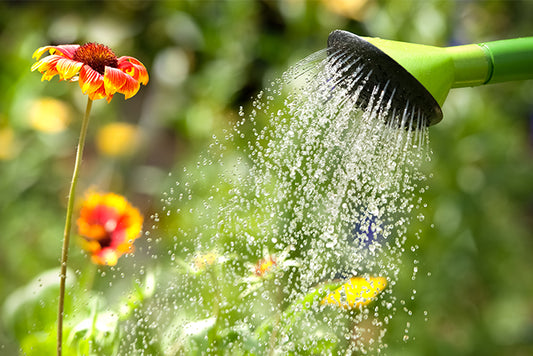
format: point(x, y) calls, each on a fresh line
point(217, 299)
point(278, 298)
point(68, 223)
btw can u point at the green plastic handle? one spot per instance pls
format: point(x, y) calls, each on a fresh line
point(440, 69)
point(492, 62)
point(509, 59)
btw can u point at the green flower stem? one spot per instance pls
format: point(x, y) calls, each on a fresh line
point(212, 335)
point(68, 223)
point(278, 299)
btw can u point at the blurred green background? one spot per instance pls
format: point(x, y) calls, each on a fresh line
point(206, 59)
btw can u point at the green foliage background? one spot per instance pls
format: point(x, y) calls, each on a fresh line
point(206, 59)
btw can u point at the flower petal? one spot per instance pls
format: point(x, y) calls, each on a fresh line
point(66, 51)
point(68, 68)
point(91, 246)
point(134, 68)
point(90, 230)
point(40, 51)
point(100, 94)
point(130, 87)
point(106, 256)
point(114, 79)
point(126, 247)
point(47, 63)
point(90, 80)
point(108, 98)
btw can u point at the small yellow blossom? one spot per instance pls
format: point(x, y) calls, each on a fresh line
point(264, 265)
point(201, 262)
point(358, 291)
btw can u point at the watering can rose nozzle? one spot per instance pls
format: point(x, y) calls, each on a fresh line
point(423, 75)
point(403, 89)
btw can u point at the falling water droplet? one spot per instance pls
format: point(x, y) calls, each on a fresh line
point(323, 193)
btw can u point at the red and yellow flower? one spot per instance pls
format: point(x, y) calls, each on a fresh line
point(109, 225)
point(99, 72)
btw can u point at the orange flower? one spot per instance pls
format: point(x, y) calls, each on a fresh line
point(100, 73)
point(109, 224)
point(264, 266)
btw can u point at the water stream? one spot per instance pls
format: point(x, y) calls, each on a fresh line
point(307, 189)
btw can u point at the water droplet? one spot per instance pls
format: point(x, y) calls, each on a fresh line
point(326, 187)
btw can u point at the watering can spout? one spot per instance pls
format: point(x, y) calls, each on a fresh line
point(439, 69)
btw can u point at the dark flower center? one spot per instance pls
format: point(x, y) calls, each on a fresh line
point(105, 242)
point(96, 56)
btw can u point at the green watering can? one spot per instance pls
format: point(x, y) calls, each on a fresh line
point(423, 75)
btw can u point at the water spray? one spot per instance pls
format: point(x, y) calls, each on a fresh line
point(419, 77)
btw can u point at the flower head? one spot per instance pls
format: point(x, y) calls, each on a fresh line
point(270, 266)
point(265, 265)
point(100, 73)
point(203, 261)
point(109, 224)
point(358, 291)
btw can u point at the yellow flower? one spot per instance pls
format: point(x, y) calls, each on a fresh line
point(109, 225)
point(100, 73)
point(8, 144)
point(118, 139)
point(358, 291)
point(201, 262)
point(49, 115)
